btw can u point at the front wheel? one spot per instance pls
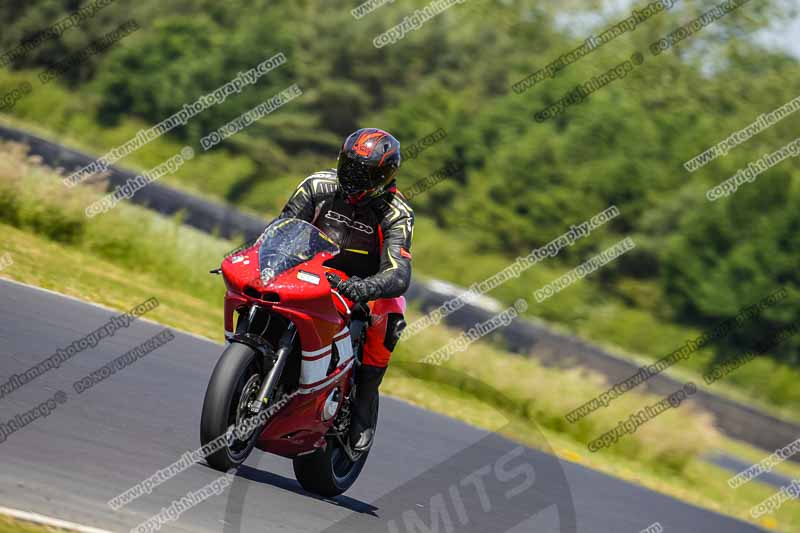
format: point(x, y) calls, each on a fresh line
point(235, 383)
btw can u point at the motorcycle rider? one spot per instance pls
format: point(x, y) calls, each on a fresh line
point(358, 205)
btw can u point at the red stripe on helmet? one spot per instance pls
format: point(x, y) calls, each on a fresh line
point(362, 145)
point(393, 150)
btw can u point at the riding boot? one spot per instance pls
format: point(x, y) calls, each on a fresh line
point(365, 407)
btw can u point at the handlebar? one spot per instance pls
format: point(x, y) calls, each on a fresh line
point(334, 279)
point(359, 309)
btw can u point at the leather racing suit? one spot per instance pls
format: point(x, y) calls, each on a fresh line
point(375, 241)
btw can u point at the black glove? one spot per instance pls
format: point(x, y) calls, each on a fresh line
point(358, 290)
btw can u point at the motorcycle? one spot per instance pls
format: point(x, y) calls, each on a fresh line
point(290, 361)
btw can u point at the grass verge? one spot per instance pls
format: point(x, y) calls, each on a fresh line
point(130, 254)
point(12, 525)
point(627, 317)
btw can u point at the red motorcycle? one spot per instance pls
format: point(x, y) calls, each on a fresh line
point(292, 355)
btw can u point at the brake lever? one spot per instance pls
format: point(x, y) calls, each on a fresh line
point(335, 281)
point(341, 299)
point(215, 271)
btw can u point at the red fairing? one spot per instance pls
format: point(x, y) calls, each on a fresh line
point(314, 312)
point(303, 295)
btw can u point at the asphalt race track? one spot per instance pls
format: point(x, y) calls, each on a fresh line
point(425, 473)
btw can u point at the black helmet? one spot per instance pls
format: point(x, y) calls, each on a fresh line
point(368, 162)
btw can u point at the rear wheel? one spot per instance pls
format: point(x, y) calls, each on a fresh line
point(235, 383)
point(328, 472)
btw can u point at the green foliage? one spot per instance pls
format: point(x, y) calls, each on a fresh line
point(523, 182)
point(33, 199)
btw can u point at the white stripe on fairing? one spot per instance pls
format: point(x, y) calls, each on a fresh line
point(345, 348)
point(312, 357)
point(313, 371)
point(327, 381)
point(315, 352)
point(312, 353)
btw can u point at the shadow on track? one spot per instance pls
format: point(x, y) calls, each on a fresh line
point(475, 488)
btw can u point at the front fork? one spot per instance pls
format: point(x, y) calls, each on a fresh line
point(252, 332)
point(285, 346)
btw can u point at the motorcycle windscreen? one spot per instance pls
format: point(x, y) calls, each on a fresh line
point(288, 242)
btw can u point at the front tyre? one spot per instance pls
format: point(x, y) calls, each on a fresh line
point(235, 382)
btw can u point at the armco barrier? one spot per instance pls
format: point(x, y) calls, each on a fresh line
point(523, 336)
point(200, 213)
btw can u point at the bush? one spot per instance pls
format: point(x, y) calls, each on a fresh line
point(33, 198)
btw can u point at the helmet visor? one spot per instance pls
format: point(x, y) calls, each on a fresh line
point(355, 176)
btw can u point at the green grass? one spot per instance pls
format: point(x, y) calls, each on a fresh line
point(640, 333)
point(628, 318)
point(11, 525)
point(789, 469)
point(534, 408)
point(130, 254)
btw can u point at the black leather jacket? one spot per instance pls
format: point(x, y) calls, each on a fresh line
point(375, 237)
